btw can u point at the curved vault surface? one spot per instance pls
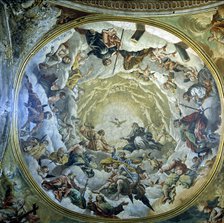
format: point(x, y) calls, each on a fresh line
point(119, 120)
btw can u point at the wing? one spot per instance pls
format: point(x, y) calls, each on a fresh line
point(115, 123)
point(121, 122)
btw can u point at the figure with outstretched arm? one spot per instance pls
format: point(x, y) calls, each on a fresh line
point(140, 138)
point(103, 45)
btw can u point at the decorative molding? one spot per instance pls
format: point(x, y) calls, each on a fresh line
point(144, 5)
point(143, 8)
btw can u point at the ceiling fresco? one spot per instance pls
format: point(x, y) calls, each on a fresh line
point(121, 117)
point(110, 118)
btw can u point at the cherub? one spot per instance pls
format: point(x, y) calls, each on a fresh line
point(146, 74)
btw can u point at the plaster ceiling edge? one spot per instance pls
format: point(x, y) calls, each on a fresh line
point(155, 8)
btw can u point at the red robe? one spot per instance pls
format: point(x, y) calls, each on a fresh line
point(195, 123)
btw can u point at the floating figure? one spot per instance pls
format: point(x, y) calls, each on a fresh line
point(60, 55)
point(146, 74)
point(75, 74)
point(103, 45)
point(35, 147)
point(77, 155)
point(217, 27)
point(88, 131)
point(178, 174)
point(155, 164)
point(172, 66)
point(97, 140)
point(64, 186)
point(170, 83)
point(140, 138)
point(43, 171)
point(61, 95)
point(36, 113)
point(198, 92)
point(103, 208)
point(193, 131)
point(133, 58)
point(59, 157)
point(101, 142)
point(128, 183)
point(121, 157)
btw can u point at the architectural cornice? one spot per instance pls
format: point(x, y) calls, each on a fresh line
point(142, 8)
